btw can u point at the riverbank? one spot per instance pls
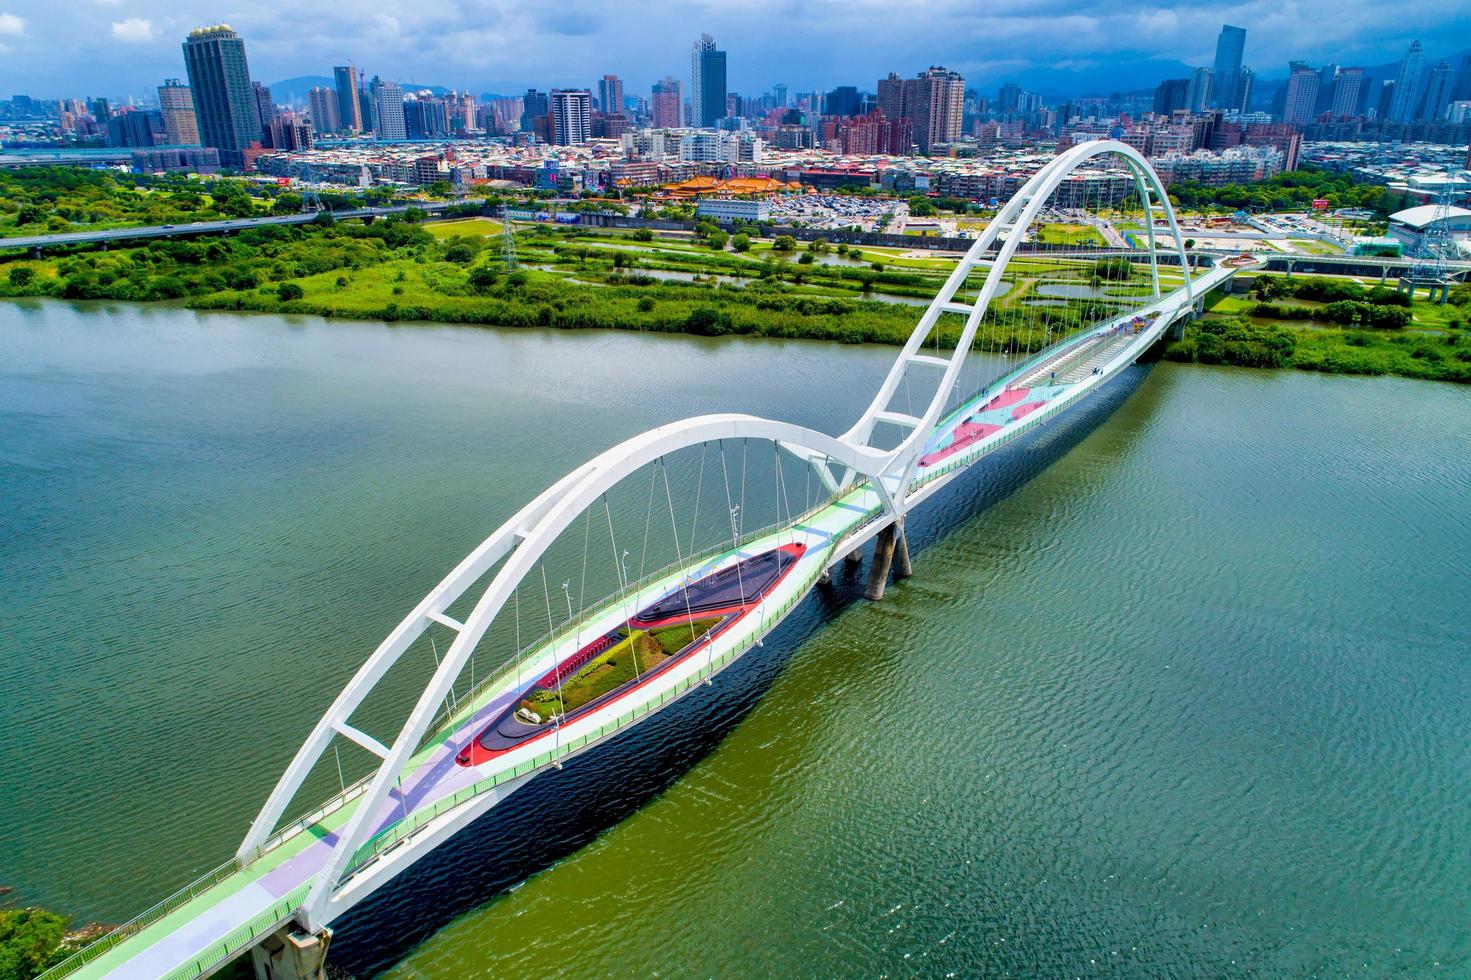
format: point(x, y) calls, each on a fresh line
point(578, 279)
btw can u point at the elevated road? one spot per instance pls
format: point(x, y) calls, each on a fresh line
point(223, 227)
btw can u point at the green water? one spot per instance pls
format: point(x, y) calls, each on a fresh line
point(1190, 701)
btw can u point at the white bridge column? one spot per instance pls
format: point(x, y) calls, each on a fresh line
point(290, 954)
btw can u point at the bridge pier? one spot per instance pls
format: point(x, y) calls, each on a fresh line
point(290, 954)
point(855, 557)
point(902, 567)
point(883, 557)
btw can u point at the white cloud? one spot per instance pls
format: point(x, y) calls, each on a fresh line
point(134, 29)
point(12, 25)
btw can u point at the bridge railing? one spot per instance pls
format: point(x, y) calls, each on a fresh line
point(418, 820)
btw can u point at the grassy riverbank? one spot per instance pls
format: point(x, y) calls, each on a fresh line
point(710, 285)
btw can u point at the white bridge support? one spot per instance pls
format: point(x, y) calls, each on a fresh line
point(515, 548)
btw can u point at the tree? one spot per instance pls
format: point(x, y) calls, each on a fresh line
point(806, 259)
point(741, 242)
point(288, 291)
point(30, 942)
point(22, 275)
point(460, 254)
point(706, 321)
point(643, 235)
point(784, 243)
point(717, 239)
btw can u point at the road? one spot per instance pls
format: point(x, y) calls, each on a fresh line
point(204, 227)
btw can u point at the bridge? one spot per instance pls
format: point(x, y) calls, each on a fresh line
point(527, 673)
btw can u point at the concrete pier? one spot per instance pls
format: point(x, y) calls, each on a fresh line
point(883, 556)
point(290, 954)
point(902, 567)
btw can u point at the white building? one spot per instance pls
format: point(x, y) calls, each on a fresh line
point(720, 209)
point(1410, 225)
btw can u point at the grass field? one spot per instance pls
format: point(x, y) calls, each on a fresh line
point(463, 227)
point(1069, 234)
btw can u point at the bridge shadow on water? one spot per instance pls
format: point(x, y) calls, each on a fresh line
point(559, 812)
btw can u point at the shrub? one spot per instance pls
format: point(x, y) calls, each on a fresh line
point(646, 304)
point(741, 242)
point(643, 235)
point(784, 243)
point(288, 291)
point(22, 275)
point(707, 321)
point(483, 278)
point(806, 258)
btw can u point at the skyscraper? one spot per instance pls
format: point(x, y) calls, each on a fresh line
point(707, 82)
point(666, 105)
point(937, 106)
point(322, 102)
point(534, 106)
point(1302, 96)
point(224, 101)
point(265, 107)
point(891, 96)
point(842, 101)
point(610, 94)
point(1407, 85)
point(349, 110)
point(1437, 92)
point(389, 99)
point(571, 116)
point(1171, 94)
point(1230, 45)
point(1347, 92)
point(1201, 80)
point(176, 104)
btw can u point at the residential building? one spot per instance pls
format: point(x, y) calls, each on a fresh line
point(224, 102)
point(136, 127)
point(666, 105)
point(1171, 94)
point(349, 109)
point(176, 105)
point(1438, 91)
point(610, 95)
point(1197, 99)
point(322, 104)
point(842, 101)
point(571, 111)
point(388, 99)
point(265, 107)
point(1348, 90)
point(1302, 96)
point(707, 82)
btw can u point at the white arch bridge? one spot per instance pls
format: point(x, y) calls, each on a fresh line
point(462, 748)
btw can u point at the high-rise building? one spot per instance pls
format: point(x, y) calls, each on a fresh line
point(1462, 91)
point(136, 127)
point(571, 116)
point(842, 101)
point(176, 105)
point(938, 106)
point(610, 95)
point(1347, 92)
point(1327, 78)
point(891, 96)
point(1437, 92)
point(265, 107)
point(1407, 85)
point(1230, 45)
point(1386, 99)
point(1198, 98)
point(1302, 96)
point(224, 101)
point(666, 105)
point(388, 98)
point(1171, 94)
point(349, 109)
point(779, 96)
point(707, 82)
point(322, 103)
point(534, 106)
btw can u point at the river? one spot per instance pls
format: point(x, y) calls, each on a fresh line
point(1190, 699)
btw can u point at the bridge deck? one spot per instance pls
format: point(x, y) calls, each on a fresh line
point(207, 925)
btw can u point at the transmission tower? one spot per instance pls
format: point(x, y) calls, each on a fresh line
point(309, 200)
point(508, 238)
point(1427, 267)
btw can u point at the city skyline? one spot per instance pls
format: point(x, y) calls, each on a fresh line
point(493, 48)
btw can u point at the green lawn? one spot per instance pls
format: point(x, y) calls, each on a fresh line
point(463, 227)
point(1069, 234)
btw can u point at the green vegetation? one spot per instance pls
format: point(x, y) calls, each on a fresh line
point(1069, 234)
point(635, 654)
point(31, 941)
point(1293, 190)
point(53, 200)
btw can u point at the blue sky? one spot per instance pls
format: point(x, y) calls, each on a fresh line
point(120, 47)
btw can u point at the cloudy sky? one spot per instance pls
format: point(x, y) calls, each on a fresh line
point(121, 47)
